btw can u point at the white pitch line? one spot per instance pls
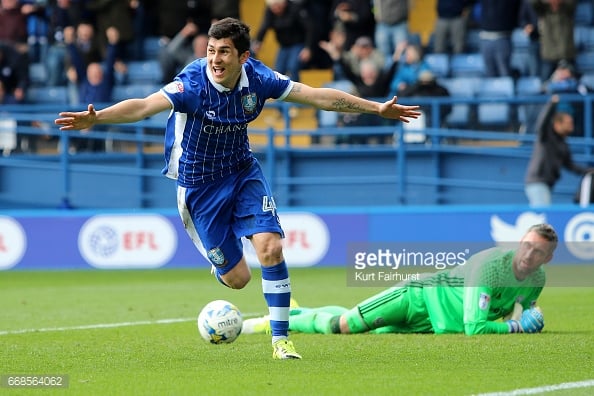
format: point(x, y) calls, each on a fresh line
point(107, 325)
point(543, 389)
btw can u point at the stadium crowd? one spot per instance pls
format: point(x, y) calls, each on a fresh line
point(546, 45)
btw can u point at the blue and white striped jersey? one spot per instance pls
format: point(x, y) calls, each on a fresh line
point(206, 136)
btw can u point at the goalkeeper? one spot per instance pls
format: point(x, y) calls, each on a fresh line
point(493, 284)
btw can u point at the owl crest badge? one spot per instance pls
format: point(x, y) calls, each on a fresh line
point(249, 102)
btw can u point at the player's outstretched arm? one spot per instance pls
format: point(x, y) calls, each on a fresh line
point(129, 110)
point(335, 100)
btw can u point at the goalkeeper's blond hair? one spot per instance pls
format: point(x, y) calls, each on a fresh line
point(547, 232)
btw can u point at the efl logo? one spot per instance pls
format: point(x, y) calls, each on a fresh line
point(13, 242)
point(127, 241)
point(306, 240)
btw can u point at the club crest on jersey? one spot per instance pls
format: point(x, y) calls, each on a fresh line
point(249, 102)
point(216, 256)
point(174, 87)
point(484, 300)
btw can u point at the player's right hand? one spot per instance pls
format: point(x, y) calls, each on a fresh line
point(70, 121)
point(532, 320)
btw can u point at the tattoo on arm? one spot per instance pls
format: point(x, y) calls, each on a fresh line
point(343, 105)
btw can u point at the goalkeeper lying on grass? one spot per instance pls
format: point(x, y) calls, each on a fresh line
point(468, 299)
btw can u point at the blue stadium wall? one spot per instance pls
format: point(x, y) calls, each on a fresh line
point(64, 240)
point(298, 178)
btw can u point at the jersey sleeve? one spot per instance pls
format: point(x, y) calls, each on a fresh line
point(273, 84)
point(481, 283)
point(477, 301)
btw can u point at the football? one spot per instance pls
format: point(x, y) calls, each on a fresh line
point(220, 322)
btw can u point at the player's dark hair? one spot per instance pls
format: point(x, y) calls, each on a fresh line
point(234, 29)
point(547, 232)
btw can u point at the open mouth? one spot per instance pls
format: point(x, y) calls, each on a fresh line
point(218, 71)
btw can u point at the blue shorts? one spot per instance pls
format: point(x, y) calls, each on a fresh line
point(216, 215)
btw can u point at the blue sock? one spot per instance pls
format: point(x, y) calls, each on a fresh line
point(277, 292)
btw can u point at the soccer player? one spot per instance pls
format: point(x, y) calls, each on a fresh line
point(222, 194)
point(467, 299)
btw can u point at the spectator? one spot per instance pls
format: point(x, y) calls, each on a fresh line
point(565, 80)
point(371, 82)
point(14, 74)
point(83, 39)
point(449, 35)
point(13, 25)
point(356, 18)
point(172, 16)
point(391, 25)
point(293, 29)
point(550, 153)
point(177, 52)
point(224, 8)
point(427, 86)
point(37, 28)
point(409, 70)
point(497, 21)
point(319, 10)
point(6, 97)
point(555, 26)
point(95, 83)
point(108, 14)
point(347, 64)
point(61, 14)
point(529, 25)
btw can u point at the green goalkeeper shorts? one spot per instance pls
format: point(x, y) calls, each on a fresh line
point(395, 310)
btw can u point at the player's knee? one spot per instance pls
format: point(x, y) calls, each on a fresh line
point(237, 278)
point(270, 252)
point(237, 282)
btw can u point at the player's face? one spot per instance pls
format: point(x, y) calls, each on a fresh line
point(224, 61)
point(533, 252)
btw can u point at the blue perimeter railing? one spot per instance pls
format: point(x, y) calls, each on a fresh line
point(402, 166)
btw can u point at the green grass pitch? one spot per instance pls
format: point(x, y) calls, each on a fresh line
point(135, 352)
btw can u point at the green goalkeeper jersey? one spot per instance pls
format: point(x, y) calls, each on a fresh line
point(472, 297)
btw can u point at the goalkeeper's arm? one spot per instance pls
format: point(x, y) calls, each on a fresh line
point(531, 321)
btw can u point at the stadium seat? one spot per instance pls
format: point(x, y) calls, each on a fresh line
point(151, 47)
point(144, 72)
point(528, 112)
point(37, 74)
point(584, 13)
point(473, 41)
point(588, 80)
point(520, 41)
point(499, 113)
point(467, 65)
point(121, 92)
point(585, 61)
point(439, 64)
point(583, 37)
point(529, 85)
point(520, 62)
point(47, 95)
point(461, 87)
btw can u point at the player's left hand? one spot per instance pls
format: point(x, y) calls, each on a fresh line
point(70, 121)
point(391, 109)
point(532, 320)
